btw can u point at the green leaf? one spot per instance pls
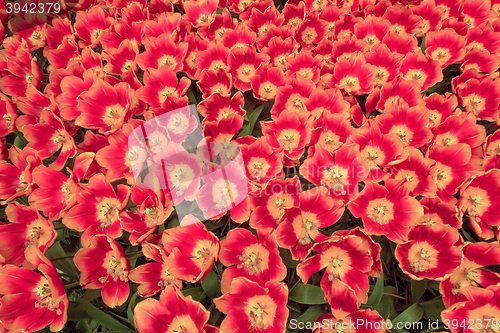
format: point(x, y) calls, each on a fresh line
point(468, 236)
point(191, 97)
point(211, 284)
point(130, 309)
point(433, 285)
point(91, 294)
point(76, 313)
point(173, 224)
point(23, 200)
point(418, 288)
point(286, 256)
point(20, 142)
point(378, 291)
point(307, 294)
point(212, 226)
point(432, 309)
point(252, 119)
point(102, 318)
point(422, 44)
point(65, 265)
point(386, 306)
point(214, 316)
point(308, 318)
point(294, 308)
point(411, 315)
point(195, 292)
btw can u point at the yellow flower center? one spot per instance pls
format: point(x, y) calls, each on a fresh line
point(252, 262)
point(476, 199)
point(45, 299)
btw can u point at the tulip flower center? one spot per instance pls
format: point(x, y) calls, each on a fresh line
point(178, 124)
point(379, 212)
point(167, 92)
point(476, 199)
point(168, 280)
point(113, 114)
point(224, 201)
point(335, 178)
point(309, 35)
point(23, 184)
point(442, 175)
point(29, 78)
point(114, 270)
point(35, 232)
point(417, 75)
point(288, 141)
point(258, 316)
point(167, 61)
point(403, 136)
point(469, 274)
point(333, 278)
point(262, 30)
point(335, 262)
point(371, 40)
point(251, 261)
point(309, 228)
point(494, 325)
point(45, 299)
point(108, 214)
point(332, 141)
point(151, 218)
point(58, 139)
point(199, 254)
point(133, 156)
point(202, 255)
point(422, 263)
point(127, 66)
point(351, 81)
point(256, 170)
point(34, 235)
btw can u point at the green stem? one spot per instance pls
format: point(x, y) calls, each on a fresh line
point(72, 285)
point(139, 255)
point(69, 257)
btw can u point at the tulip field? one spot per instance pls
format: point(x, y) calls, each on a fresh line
point(250, 166)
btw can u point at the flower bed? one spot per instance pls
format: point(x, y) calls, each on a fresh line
point(365, 196)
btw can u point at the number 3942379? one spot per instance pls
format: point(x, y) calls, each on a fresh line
point(33, 8)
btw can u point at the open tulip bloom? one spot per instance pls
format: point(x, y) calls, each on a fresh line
point(250, 166)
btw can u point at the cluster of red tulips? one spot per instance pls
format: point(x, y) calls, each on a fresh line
point(369, 134)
